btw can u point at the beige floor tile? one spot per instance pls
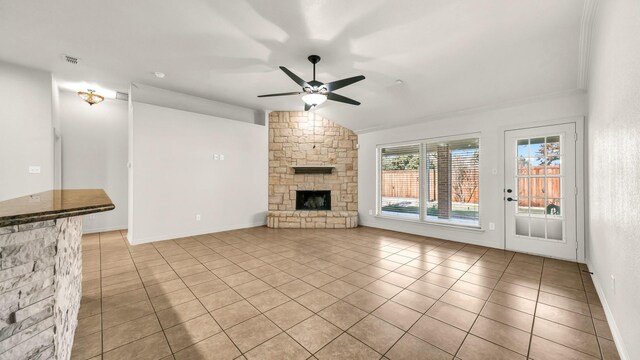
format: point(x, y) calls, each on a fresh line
point(314, 333)
point(501, 334)
point(317, 279)
point(165, 287)
point(565, 303)
point(253, 332)
point(427, 289)
point(437, 279)
point(191, 332)
point(542, 349)
point(464, 301)
point(268, 300)
point(238, 278)
point(508, 316)
point(277, 279)
point(410, 347)
point(220, 299)
point(207, 288)
point(609, 350)
point(218, 346)
point(295, 288)
point(365, 300)
point(564, 335)
point(129, 297)
point(342, 314)
point(398, 315)
point(252, 288)
point(376, 333)
point(172, 299)
point(288, 314)
point(475, 348)
point(180, 313)
point(383, 288)
point(279, 347)
point(346, 347)
point(398, 279)
point(89, 325)
point(452, 315)
point(130, 331)
point(198, 278)
point(472, 289)
point(414, 300)
point(86, 347)
point(439, 334)
point(148, 348)
point(513, 302)
point(565, 317)
point(339, 288)
point(316, 300)
point(234, 314)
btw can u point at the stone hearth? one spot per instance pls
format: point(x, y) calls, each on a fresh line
point(305, 139)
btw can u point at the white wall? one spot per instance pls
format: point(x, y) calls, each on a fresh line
point(174, 176)
point(614, 172)
point(25, 131)
point(491, 126)
point(94, 154)
point(179, 101)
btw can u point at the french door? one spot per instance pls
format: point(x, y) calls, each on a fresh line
point(540, 191)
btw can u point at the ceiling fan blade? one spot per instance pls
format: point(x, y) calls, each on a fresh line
point(343, 99)
point(282, 94)
point(294, 77)
point(307, 107)
point(335, 85)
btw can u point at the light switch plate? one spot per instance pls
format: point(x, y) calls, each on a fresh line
point(34, 169)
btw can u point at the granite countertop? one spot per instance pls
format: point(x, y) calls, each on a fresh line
point(53, 204)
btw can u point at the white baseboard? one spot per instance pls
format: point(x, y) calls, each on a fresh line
point(214, 229)
point(617, 337)
point(108, 228)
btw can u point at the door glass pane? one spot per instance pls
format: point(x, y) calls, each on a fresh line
point(553, 166)
point(553, 146)
point(553, 187)
point(553, 207)
point(522, 225)
point(537, 206)
point(538, 227)
point(554, 229)
point(523, 205)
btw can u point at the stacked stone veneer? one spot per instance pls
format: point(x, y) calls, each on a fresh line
point(40, 288)
point(302, 138)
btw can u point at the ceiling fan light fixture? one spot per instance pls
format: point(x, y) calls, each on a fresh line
point(314, 99)
point(90, 97)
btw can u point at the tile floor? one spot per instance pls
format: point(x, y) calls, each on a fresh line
point(364, 293)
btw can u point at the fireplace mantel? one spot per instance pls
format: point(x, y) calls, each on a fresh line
point(313, 169)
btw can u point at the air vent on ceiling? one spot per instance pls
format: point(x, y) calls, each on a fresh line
point(70, 59)
point(122, 96)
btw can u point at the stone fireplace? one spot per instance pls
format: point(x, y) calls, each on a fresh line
point(313, 172)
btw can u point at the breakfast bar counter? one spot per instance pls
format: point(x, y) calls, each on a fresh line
point(41, 270)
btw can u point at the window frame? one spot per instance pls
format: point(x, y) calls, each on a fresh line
point(424, 180)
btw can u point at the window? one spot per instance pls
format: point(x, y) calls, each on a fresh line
point(445, 174)
point(400, 181)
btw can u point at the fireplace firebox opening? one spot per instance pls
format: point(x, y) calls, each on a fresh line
point(313, 200)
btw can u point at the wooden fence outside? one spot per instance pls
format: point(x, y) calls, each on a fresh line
point(406, 184)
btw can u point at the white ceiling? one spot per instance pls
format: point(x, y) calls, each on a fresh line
point(452, 55)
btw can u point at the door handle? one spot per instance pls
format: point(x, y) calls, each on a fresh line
point(511, 199)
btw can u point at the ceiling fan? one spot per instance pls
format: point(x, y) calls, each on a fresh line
point(316, 92)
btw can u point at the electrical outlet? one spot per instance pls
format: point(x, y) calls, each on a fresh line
point(34, 169)
point(216, 157)
point(613, 284)
point(198, 217)
point(492, 226)
point(221, 157)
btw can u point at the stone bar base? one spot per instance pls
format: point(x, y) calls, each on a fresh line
point(312, 219)
point(40, 288)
